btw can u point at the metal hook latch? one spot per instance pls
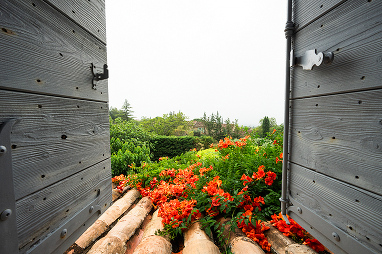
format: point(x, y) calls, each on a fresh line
point(99, 76)
point(310, 59)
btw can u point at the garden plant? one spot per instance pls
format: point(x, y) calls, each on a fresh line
point(237, 179)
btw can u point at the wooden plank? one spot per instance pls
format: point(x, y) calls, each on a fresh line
point(340, 136)
point(304, 12)
point(353, 31)
point(44, 52)
point(88, 14)
point(349, 208)
point(53, 137)
point(42, 212)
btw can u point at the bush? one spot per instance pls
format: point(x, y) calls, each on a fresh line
point(237, 179)
point(129, 155)
point(129, 145)
point(170, 146)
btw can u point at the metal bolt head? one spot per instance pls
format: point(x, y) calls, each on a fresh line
point(63, 233)
point(91, 209)
point(3, 150)
point(299, 210)
point(336, 236)
point(5, 214)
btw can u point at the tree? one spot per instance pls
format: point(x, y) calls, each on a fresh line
point(126, 109)
point(265, 125)
point(114, 113)
point(217, 128)
point(169, 124)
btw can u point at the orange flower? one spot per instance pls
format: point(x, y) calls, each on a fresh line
point(271, 176)
point(259, 174)
point(314, 244)
point(246, 179)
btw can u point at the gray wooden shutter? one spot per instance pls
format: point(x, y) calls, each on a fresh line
point(54, 123)
point(335, 170)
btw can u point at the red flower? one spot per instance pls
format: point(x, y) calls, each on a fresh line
point(246, 179)
point(314, 244)
point(271, 176)
point(259, 174)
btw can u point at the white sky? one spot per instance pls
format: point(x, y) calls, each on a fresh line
point(198, 56)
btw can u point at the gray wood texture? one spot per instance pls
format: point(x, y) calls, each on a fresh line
point(340, 136)
point(307, 11)
point(60, 141)
point(53, 137)
point(44, 52)
point(89, 14)
point(353, 31)
point(336, 120)
point(43, 211)
point(349, 208)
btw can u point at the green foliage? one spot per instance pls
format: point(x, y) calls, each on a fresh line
point(230, 164)
point(126, 114)
point(265, 126)
point(127, 111)
point(170, 146)
point(128, 131)
point(168, 124)
point(218, 128)
point(114, 113)
point(129, 145)
point(127, 156)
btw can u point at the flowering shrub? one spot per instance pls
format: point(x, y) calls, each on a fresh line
point(296, 232)
point(236, 179)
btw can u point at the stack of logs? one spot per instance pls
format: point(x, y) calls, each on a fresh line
point(128, 227)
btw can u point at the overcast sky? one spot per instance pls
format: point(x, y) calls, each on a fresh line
point(198, 56)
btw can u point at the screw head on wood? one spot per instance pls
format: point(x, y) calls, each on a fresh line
point(3, 150)
point(5, 214)
point(336, 236)
point(63, 233)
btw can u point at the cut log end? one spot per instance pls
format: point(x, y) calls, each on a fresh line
point(154, 245)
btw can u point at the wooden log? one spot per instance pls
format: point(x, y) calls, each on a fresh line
point(278, 241)
point(152, 243)
point(196, 241)
point(115, 240)
point(238, 241)
point(299, 249)
point(116, 193)
point(107, 218)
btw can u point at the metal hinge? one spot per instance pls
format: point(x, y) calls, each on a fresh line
point(99, 76)
point(311, 58)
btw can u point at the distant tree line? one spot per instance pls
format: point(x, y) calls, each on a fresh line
point(177, 124)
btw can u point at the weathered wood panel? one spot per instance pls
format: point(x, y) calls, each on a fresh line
point(349, 208)
point(88, 14)
point(340, 136)
point(42, 212)
point(353, 31)
point(53, 137)
point(304, 12)
point(44, 52)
